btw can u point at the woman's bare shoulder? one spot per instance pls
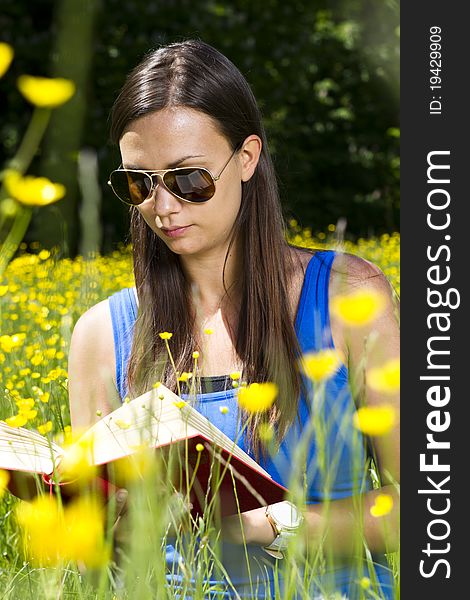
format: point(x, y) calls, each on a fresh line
point(350, 272)
point(92, 364)
point(93, 335)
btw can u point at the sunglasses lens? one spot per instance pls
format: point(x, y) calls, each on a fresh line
point(194, 185)
point(131, 187)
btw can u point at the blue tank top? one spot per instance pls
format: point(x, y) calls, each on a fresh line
point(339, 474)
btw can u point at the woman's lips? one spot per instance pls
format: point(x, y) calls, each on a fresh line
point(175, 232)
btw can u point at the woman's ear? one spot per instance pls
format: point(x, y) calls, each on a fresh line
point(249, 156)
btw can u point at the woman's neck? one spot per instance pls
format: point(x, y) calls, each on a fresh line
point(207, 276)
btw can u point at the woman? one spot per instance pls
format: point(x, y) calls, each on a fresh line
point(210, 255)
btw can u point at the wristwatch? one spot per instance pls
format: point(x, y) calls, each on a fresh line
point(285, 519)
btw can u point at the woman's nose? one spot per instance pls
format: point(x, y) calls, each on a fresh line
point(164, 202)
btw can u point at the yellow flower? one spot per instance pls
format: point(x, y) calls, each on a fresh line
point(76, 462)
point(10, 342)
point(42, 524)
point(364, 583)
point(6, 56)
point(53, 535)
point(33, 191)
point(208, 331)
point(29, 414)
point(359, 308)
point(165, 335)
point(235, 376)
point(180, 403)
point(195, 354)
point(135, 466)
point(45, 428)
point(46, 92)
point(122, 424)
point(199, 447)
point(4, 479)
point(84, 528)
point(16, 421)
point(382, 506)
point(321, 365)
point(385, 379)
point(257, 397)
point(224, 410)
point(156, 384)
point(25, 404)
point(184, 377)
point(375, 420)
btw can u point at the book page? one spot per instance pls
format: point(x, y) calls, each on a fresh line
point(149, 421)
point(26, 450)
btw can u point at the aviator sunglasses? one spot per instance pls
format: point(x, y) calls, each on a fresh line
point(191, 184)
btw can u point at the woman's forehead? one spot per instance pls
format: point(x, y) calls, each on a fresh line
point(171, 134)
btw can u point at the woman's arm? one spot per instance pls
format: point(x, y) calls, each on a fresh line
point(365, 347)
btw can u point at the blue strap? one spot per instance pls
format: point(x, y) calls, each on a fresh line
point(123, 307)
point(313, 318)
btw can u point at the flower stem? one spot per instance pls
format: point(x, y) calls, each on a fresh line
point(31, 140)
point(174, 366)
point(14, 237)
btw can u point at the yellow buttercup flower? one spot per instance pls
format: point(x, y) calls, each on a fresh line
point(199, 447)
point(53, 535)
point(179, 403)
point(76, 462)
point(235, 376)
point(208, 331)
point(33, 191)
point(45, 428)
point(257, 397)
point(185, 377)
point(6, 56)
point(165, 335)
point(195, 354)
point(321, 365)
point(46, 92)
point(16, 420)
point(364, 583)
point(84, 533)
point(4, 479)
point(375, 420)
point(385, 379)
point(382, 506)
point(135, 466)
point(42, 523)
point(359, 308)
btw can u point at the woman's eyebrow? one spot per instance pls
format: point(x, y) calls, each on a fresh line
point(170, 166)
point(179, 161)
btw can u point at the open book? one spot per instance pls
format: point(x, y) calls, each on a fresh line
point(206, 457)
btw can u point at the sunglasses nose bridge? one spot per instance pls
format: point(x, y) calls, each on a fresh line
point(155, 177)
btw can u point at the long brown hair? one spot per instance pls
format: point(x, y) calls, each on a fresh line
point(193, 74)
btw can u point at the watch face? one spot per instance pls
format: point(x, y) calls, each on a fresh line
point(286, 514)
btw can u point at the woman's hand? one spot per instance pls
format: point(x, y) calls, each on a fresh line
point(251, 527)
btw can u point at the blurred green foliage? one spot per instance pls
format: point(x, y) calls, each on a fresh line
point(325, 73)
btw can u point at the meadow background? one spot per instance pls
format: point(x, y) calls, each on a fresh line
point(326, 77)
